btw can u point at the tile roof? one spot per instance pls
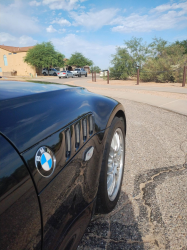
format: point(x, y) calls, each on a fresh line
point(15, 49)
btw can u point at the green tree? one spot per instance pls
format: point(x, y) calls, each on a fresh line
point(78, 60)
point(167, 66)
point(95, 69)
point(123, 64)
point(138, 50)
point(44, 55)
point(157, 46)
point(182, 44)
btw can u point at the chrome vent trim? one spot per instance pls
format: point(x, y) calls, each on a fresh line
point(91, 124)
point(84, 126)
point(68, 143)
point(77, 135)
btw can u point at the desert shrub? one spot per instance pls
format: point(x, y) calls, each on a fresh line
point(166, 66)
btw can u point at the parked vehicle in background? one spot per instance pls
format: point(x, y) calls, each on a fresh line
point(79, 72)
point(52, 72)
point(103, 73)
point(65, 73)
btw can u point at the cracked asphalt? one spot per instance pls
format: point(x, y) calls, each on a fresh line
point(152, 209)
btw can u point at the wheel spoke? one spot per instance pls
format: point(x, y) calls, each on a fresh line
point(110, 168)
point(110, 180)
point(111, 184)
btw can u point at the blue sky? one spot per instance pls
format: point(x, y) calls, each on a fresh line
point(93, 28)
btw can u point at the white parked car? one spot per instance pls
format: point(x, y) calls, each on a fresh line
point(79, 72)
point(65, 73)
point(52, 71)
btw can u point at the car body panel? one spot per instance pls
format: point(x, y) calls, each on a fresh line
point(20, 218)
point(20, 128)
point(72, 191)
point(67, 197)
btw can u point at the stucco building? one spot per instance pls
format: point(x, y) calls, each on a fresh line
point(12, 61)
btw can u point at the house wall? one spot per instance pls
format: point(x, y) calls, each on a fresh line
point(15, 62)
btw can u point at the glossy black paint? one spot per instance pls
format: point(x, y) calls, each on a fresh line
point(31, 121)
point(32, 118)
point(10, 89)
point(72, 190)
point(20, 219)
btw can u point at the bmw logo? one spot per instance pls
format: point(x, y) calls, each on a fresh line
point(45, 161)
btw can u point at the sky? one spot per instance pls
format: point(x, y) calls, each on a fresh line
point(93, 27)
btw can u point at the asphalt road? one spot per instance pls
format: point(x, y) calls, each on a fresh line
point(152, 210)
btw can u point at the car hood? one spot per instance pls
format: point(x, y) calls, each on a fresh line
point(27, 119)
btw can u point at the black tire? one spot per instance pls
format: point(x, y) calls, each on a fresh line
point(55, 74)
point(80, 75)
point(59, 77)
point(44, 74)
point(104, 204)
point(85, 75)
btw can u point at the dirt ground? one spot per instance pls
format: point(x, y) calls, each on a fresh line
point(133, 82)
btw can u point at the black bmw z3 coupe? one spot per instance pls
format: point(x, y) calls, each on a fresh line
point(62, 154)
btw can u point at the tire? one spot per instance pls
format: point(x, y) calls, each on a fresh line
point(59, 77)
point(44, 73)
point(109, 190)
point(55, 74)
point(85, 75)
point(80, 75)
point(72, 76)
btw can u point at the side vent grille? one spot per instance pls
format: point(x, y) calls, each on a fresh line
point(84, 125)
point(77, 135)
point(91, 124)
point(68, 143)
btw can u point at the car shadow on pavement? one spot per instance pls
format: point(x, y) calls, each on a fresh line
point(116, 230)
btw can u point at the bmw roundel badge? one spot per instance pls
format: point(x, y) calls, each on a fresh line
point(45, 161)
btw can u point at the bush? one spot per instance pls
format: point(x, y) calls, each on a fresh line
point(166, 67)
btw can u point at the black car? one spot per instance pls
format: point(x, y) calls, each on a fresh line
point(62, 152)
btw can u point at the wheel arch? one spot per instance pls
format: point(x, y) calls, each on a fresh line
point(118, 111)
point(119, 114)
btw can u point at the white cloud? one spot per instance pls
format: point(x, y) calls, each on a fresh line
point(34, 3)
point(10, 40)
point(100, 54)
point(154, 20)
point(62, 30)
point(62, 4)
point(26, 41)
point(50, 29)
point(62, 22)
point(94, 19)
point(15, 19)
point(166, 7)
